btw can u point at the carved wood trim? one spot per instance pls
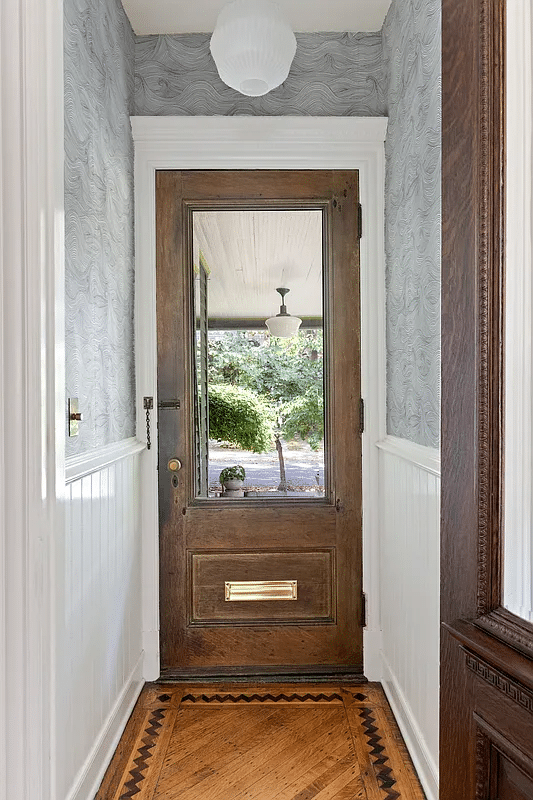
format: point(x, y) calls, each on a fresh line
point(509, 629)
point(490, 302)
point(503, 683)
point(482, 765)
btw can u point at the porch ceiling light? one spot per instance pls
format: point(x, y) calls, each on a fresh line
point(283, 325)
point(253, 46)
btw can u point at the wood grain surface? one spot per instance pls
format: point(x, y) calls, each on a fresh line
point(204, 543)
point(257, 742)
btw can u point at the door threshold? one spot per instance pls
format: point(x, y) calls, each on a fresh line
point(263, 675)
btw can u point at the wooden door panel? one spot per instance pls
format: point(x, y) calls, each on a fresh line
point(205, 542)
point(247, 523)
point(313, 573)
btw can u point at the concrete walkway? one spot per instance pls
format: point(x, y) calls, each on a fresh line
point(303, 467)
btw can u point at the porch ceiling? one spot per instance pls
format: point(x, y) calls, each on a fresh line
point(250, 253)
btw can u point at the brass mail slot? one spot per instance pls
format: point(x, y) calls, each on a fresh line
point(261, 590)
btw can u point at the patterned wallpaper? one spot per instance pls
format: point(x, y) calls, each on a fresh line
point(99, 59)
point(412, 55)
point(332, 74)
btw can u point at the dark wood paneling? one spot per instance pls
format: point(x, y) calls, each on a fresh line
point(314, 573)
point(508, 782)
point(487, 669)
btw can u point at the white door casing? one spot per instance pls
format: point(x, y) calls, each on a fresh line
point(264, 143)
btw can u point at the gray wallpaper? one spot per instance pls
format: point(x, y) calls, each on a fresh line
point(99, 59)
point(332, 74)
point(412, 55)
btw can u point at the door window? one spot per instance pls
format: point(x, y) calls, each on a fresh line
point(259, 410)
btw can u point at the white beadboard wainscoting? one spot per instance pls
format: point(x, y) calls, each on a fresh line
point(409, 502)
point(99, 614)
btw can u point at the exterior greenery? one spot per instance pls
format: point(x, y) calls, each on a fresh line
point(235, 473)
point(239, 416)
point(304, 417)
point(284, 376)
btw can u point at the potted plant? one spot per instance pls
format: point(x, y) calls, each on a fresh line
point(232, 478)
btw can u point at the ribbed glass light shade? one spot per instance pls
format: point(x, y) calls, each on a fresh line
point(253, 46)
point(284, 326)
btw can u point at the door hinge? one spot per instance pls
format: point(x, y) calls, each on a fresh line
point(363, 610)
point(361, 415)
point(360, 220)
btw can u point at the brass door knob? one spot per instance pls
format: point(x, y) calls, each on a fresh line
point(174, 464)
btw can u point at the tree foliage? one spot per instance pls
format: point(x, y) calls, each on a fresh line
point(285, 374)
point(238, 416)
point(304, 417)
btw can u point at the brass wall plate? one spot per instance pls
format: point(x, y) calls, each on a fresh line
point(260, 590)
point(74, 416)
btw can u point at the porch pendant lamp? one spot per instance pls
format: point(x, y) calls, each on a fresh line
point(253, 46)
point(283, 325)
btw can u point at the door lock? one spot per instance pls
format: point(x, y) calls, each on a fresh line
point(174, 464)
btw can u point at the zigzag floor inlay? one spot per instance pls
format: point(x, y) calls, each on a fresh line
point(261, 743)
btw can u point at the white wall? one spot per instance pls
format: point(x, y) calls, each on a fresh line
point(409, 502)
point(99, 619)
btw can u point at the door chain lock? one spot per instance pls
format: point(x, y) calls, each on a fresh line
point(148, 404)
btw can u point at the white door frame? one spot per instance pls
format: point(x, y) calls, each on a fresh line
point(264, 143)
point(32, 388)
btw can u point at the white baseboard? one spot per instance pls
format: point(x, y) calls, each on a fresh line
point(372, 643)
point(151, 667)
point(422, 759)
point(90, 776)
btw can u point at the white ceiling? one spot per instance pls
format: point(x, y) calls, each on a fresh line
point(250, 253)
point(199, 16)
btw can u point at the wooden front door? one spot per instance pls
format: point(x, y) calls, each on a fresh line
point(224, 560)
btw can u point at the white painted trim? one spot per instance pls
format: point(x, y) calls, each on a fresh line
point(427, 458)
point(31, 387)
point(91, 774)
point(264, 143)
point(423, 761)
point(77, 467)
point(518, 556)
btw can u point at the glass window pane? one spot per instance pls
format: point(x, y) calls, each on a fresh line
point(259, 391)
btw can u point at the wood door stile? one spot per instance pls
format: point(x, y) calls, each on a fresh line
point(202, 636)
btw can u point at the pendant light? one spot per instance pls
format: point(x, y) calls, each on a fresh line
point(253, 46)
point(283, 325)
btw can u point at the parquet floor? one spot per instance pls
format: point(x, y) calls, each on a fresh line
point(282, 742)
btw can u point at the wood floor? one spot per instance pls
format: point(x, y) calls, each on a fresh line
point(268, 742)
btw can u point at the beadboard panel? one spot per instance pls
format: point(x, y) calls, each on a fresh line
point(99, 646)
point(409, 488)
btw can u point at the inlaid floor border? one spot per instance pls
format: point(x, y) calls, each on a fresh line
point(362, 706)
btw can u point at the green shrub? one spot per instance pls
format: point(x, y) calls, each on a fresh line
point(235, 473)
point(238, 416)
point(304, 417)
